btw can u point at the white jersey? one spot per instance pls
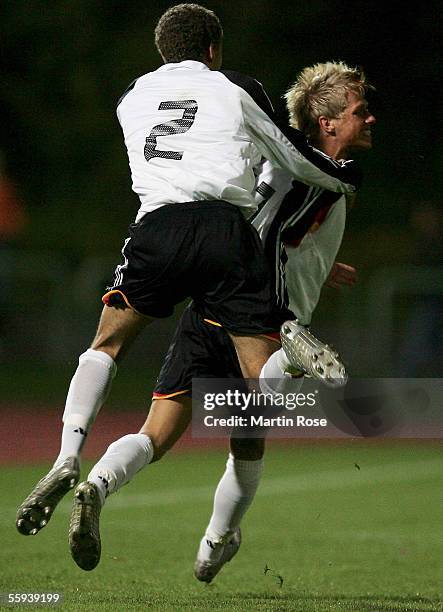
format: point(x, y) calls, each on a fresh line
point(309, 264)
point(196, 134)
point(302, 229)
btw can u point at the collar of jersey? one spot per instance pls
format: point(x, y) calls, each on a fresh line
point(190, 64)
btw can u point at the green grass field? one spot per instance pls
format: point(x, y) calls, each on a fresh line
point(348, 527)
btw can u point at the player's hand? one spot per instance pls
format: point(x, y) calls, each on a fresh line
point(340, 275)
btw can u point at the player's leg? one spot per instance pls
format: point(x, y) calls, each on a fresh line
point(148, 284)
point(191, 353)
point(233, 289)
point(234, 495)
point(277, 377)
point(117, 329)
point(237, 487)
point(88, 391)
point(166, 422)
point(92, 381)
point(253, 352)
point(269, 364)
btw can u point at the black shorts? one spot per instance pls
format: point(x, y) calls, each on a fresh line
point(204, 250)
point(201, 348)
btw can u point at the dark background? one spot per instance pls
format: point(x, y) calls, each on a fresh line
point(65, 64)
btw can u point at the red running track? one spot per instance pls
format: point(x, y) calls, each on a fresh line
point(32, 434)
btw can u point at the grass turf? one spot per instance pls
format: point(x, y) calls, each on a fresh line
point(352, 527)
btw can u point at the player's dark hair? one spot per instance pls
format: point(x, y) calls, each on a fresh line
point(186, 31)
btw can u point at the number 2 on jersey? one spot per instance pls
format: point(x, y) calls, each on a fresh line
point(176, 126)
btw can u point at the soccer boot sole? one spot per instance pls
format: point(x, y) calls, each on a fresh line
point(307, 353)
point(84, 528)
point(36, 510)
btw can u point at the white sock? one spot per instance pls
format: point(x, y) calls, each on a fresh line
point(233, 496)
point(273, 378)
point(87, 393)
point(276, 365)
point(123, 459)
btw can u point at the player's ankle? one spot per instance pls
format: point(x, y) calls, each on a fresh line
point(62, 458)
point(102, 486)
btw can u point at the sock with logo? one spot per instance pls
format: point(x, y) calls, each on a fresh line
point(235, 493)
point(122, 460)
point(87, 393)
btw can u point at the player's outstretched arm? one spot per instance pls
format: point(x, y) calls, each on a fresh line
point(289, 149)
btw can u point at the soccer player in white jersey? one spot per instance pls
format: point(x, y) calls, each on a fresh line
point(193, 135)
point(301, 229)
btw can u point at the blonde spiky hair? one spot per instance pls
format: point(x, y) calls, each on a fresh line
point(322, 89)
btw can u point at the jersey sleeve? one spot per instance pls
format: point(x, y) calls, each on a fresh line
point(305, 163)
point(292, 152)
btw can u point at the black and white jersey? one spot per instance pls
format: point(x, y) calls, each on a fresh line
point(301, 228)
point(196, 134)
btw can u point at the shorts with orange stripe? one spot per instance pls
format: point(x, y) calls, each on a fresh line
point(199, 349)
point(204, 250)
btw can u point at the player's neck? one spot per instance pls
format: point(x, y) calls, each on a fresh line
point(333, 149)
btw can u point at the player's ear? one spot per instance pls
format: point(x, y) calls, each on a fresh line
point(327, 125)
